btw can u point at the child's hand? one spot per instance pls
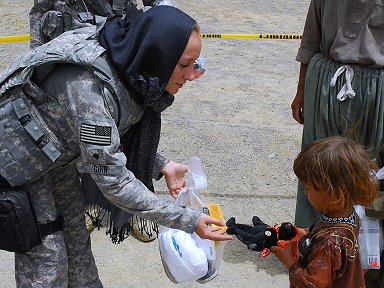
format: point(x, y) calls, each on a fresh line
point(285, 255)
point(303, 231)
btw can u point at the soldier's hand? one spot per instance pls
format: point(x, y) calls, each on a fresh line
point(205, 231)
point(174, 176)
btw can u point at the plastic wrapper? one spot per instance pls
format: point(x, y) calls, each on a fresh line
point(370, 240)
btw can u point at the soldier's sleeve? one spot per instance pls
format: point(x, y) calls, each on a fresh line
point(99, 144)
point(160, 162)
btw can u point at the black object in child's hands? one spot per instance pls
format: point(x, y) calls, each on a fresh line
point(260, 236)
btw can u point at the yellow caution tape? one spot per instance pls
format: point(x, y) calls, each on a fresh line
point(15, 38)
point(252, 36)
point(26, 37)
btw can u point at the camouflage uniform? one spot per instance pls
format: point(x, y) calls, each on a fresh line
point(50, 18)
point(76, 107)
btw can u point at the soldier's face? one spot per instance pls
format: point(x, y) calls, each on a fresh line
point(184, 69)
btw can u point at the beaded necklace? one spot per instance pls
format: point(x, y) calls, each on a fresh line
point(351, 219)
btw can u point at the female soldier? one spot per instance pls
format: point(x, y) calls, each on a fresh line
point(83, 96)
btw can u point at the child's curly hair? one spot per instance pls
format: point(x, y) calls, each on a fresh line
point(340, 167)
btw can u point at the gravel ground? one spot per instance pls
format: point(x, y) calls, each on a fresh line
point(236, 118)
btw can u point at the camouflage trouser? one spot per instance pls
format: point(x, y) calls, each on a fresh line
point(64, 259)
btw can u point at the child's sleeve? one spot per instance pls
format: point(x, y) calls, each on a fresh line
point(323, 262)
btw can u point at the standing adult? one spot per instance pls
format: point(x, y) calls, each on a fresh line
point(341, 81)
point(82, 91)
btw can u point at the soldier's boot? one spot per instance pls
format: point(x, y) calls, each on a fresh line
point(89, 223)
point(144, 230)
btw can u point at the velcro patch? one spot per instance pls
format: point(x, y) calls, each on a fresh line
point(96, 135)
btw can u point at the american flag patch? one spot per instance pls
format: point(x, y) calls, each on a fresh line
point(96, 135)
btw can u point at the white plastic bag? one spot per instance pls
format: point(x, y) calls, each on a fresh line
point(187, 257)
point(183, 261)
point(370, 240)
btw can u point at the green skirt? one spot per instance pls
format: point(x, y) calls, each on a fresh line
point(360, 118)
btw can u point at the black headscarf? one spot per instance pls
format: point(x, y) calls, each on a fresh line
point(145, 49)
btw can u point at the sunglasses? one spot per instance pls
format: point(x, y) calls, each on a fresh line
point(199, 67)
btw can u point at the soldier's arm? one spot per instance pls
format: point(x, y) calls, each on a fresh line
point(99, 146)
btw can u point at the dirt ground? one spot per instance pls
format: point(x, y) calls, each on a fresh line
point(236, 119)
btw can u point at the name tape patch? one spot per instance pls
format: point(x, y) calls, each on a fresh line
point(96, 135)
point(101, 169)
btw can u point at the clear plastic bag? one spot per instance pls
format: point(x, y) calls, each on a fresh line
point(370, 240)
point(182, 258)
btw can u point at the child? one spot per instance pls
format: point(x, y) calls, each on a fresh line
point(337, 174)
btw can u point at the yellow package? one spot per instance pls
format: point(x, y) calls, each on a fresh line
point(214, 211)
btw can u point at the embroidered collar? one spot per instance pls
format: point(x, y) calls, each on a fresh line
point(351, 219)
